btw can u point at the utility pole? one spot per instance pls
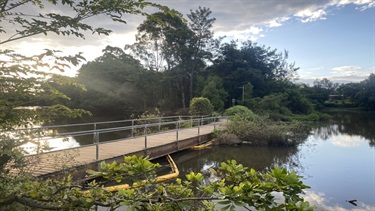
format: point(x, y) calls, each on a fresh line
point(243, 92)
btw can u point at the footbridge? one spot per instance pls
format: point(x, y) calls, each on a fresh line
point(110, 141)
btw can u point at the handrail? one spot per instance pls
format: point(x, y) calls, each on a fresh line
point(104, 122)
point(198, 122)
point(115, 129)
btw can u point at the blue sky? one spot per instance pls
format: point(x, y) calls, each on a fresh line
point(332, 39)
point(340, 47)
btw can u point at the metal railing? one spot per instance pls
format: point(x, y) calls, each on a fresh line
point(132, 128)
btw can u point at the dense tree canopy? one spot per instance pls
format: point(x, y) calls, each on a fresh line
point(251, 63)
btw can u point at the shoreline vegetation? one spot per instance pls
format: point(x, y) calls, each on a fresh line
point(246, 127)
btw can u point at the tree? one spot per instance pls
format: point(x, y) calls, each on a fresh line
point(297, 103)
point(202, 41)
point(250, 63)
point(325, 84)
point(115, 84)
point(168, 38)
point(162, 41)
point(166, 43)
point(29, 80)
point(366, 97)
point(213, 91)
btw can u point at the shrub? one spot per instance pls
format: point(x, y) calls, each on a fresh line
point(200, 106)
point(238, 109)
point(261, 131)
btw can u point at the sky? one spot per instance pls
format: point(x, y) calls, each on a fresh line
point(333, 39)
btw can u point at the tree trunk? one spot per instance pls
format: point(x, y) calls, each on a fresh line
point(183, 99)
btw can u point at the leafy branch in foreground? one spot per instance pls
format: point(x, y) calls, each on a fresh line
point(229, 186)
point(72, 23)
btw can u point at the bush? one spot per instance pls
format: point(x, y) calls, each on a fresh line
point(262, 131)
point(200, 106)
point(238, 110)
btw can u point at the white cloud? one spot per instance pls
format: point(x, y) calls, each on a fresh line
point(350, 73)
point(277, 22)
point(253, 33)
point(340, 74)
point(362, 4)
point(345, 68)
point(309, 15)
point(322, 203)
point(347, 141)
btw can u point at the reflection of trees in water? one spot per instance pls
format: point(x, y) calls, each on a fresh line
point(325, 131)
point(350, 123)
point(259, 158)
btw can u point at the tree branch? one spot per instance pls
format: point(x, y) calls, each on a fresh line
point(31, 203)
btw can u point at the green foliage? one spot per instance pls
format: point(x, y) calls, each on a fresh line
point(273, 103)
point(67, 24)
point(148, 118)
point(213, 91)
point(297, 103)
point(258, 65)
point(366, 97)
point(115, 84)
point(238, 110)
point(263, 131)
point(234, 186)
point(200, 106)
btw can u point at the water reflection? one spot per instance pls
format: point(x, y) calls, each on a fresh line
point(349, 123)
point(258, 158)
point(321, 202)
point(337, 160)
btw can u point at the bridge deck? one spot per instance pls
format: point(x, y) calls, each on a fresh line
point(48, 163)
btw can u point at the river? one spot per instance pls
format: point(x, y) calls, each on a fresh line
point(337, 161)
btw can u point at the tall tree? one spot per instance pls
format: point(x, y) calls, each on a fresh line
point(162, 40)
point(202, 43)
point(163, 45)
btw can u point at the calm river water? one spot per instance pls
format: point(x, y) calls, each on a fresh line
point(337, 160)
